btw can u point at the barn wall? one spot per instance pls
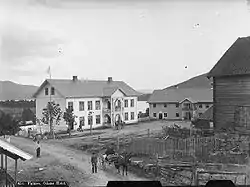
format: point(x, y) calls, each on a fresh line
point(229, 93)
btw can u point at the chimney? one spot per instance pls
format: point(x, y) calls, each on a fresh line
point(74, 78)
point(109, 79)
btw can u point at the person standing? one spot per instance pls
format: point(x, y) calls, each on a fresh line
point(38, 149)
point(94, 162)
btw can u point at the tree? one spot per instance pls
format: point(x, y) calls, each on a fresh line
point(8, 125)
point(28, 115)
point(147, 112)
point(90, 118)
point(69, 118)
point(52, 113)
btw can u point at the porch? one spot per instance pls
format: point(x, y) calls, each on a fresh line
point(8, 150)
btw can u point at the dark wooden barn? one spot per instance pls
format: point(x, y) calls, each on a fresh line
point(231, 87)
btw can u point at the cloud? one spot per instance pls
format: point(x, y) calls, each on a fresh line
point(76, 3)
point(19, 44)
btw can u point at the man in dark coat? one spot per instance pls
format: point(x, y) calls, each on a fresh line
point(94, 162)
point(38, 149)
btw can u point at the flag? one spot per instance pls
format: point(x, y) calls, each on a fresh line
point(48, 72)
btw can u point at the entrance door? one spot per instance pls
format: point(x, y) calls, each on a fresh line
point(188, 115)
point(160, 115)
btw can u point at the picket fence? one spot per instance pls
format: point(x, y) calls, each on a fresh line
point(177, 147)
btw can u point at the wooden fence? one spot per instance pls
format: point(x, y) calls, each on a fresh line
point(187, 149)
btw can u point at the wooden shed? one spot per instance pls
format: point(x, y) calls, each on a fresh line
point(9, 150)
point(231, 86)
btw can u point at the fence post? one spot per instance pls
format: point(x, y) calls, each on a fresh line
point(195, 175)
point(148, 133)
point(118, 139)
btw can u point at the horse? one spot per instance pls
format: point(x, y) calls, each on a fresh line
point(123, 161)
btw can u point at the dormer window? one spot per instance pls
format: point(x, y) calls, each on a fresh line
point(52, 91)
point(46, 91)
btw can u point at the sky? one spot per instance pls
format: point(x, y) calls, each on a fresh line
point(148, 44)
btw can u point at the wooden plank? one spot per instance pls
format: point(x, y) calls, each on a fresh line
point(2, 166)
point(221, 172)
point(15, 170)
point(6, 169)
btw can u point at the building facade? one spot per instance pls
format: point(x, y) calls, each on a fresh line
point(95, 103)
point(179, 104)
point(231, 85)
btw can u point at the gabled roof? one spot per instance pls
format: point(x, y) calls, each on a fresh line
point(87, 88)
point(176, 95)
point(191, 100)
point(144, 97)
point(107, 92)
point(208, 114)
point(235, 61)
point(13, 152)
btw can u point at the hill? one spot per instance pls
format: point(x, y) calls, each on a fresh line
point(12, 91)
point(200, 81)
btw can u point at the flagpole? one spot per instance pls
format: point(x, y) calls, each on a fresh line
point(50, 103)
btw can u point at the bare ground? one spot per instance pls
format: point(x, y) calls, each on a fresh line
point(59, 161)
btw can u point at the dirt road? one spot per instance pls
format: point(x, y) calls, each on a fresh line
point(60, 162)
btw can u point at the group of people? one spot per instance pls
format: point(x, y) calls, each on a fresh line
point(121, 124)
point(121, 160)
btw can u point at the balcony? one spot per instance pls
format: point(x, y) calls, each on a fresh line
point(118, 108)
point(106, 110)
point(187, 108)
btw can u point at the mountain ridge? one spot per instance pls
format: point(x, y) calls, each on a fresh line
point(199, 81)
point(13, 91)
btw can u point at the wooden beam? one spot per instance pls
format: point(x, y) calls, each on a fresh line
point(9, 154)
point(2, 160)
point(15, 169)
point(6, 166)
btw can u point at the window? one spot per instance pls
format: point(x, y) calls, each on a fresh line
point(207, 106)
point(126, 103)
point(132, 116)
point(165, 115)
point(52, 91)
point(81, 106)
point(98, 119)
point(46, 91)
point(126, 116)
point(177, 115)
point(97, 105)
point(177, 105)
point(90, 120)
point(154, 114)
point(82, 121)
point(200, 105)
point(154, 105)
point(70, 105)
point(89, 105)
point(165, 105)
point(132, 104)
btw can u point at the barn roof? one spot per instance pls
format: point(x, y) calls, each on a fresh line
point(177, 95)
point(87, 88)
point(235, 61)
